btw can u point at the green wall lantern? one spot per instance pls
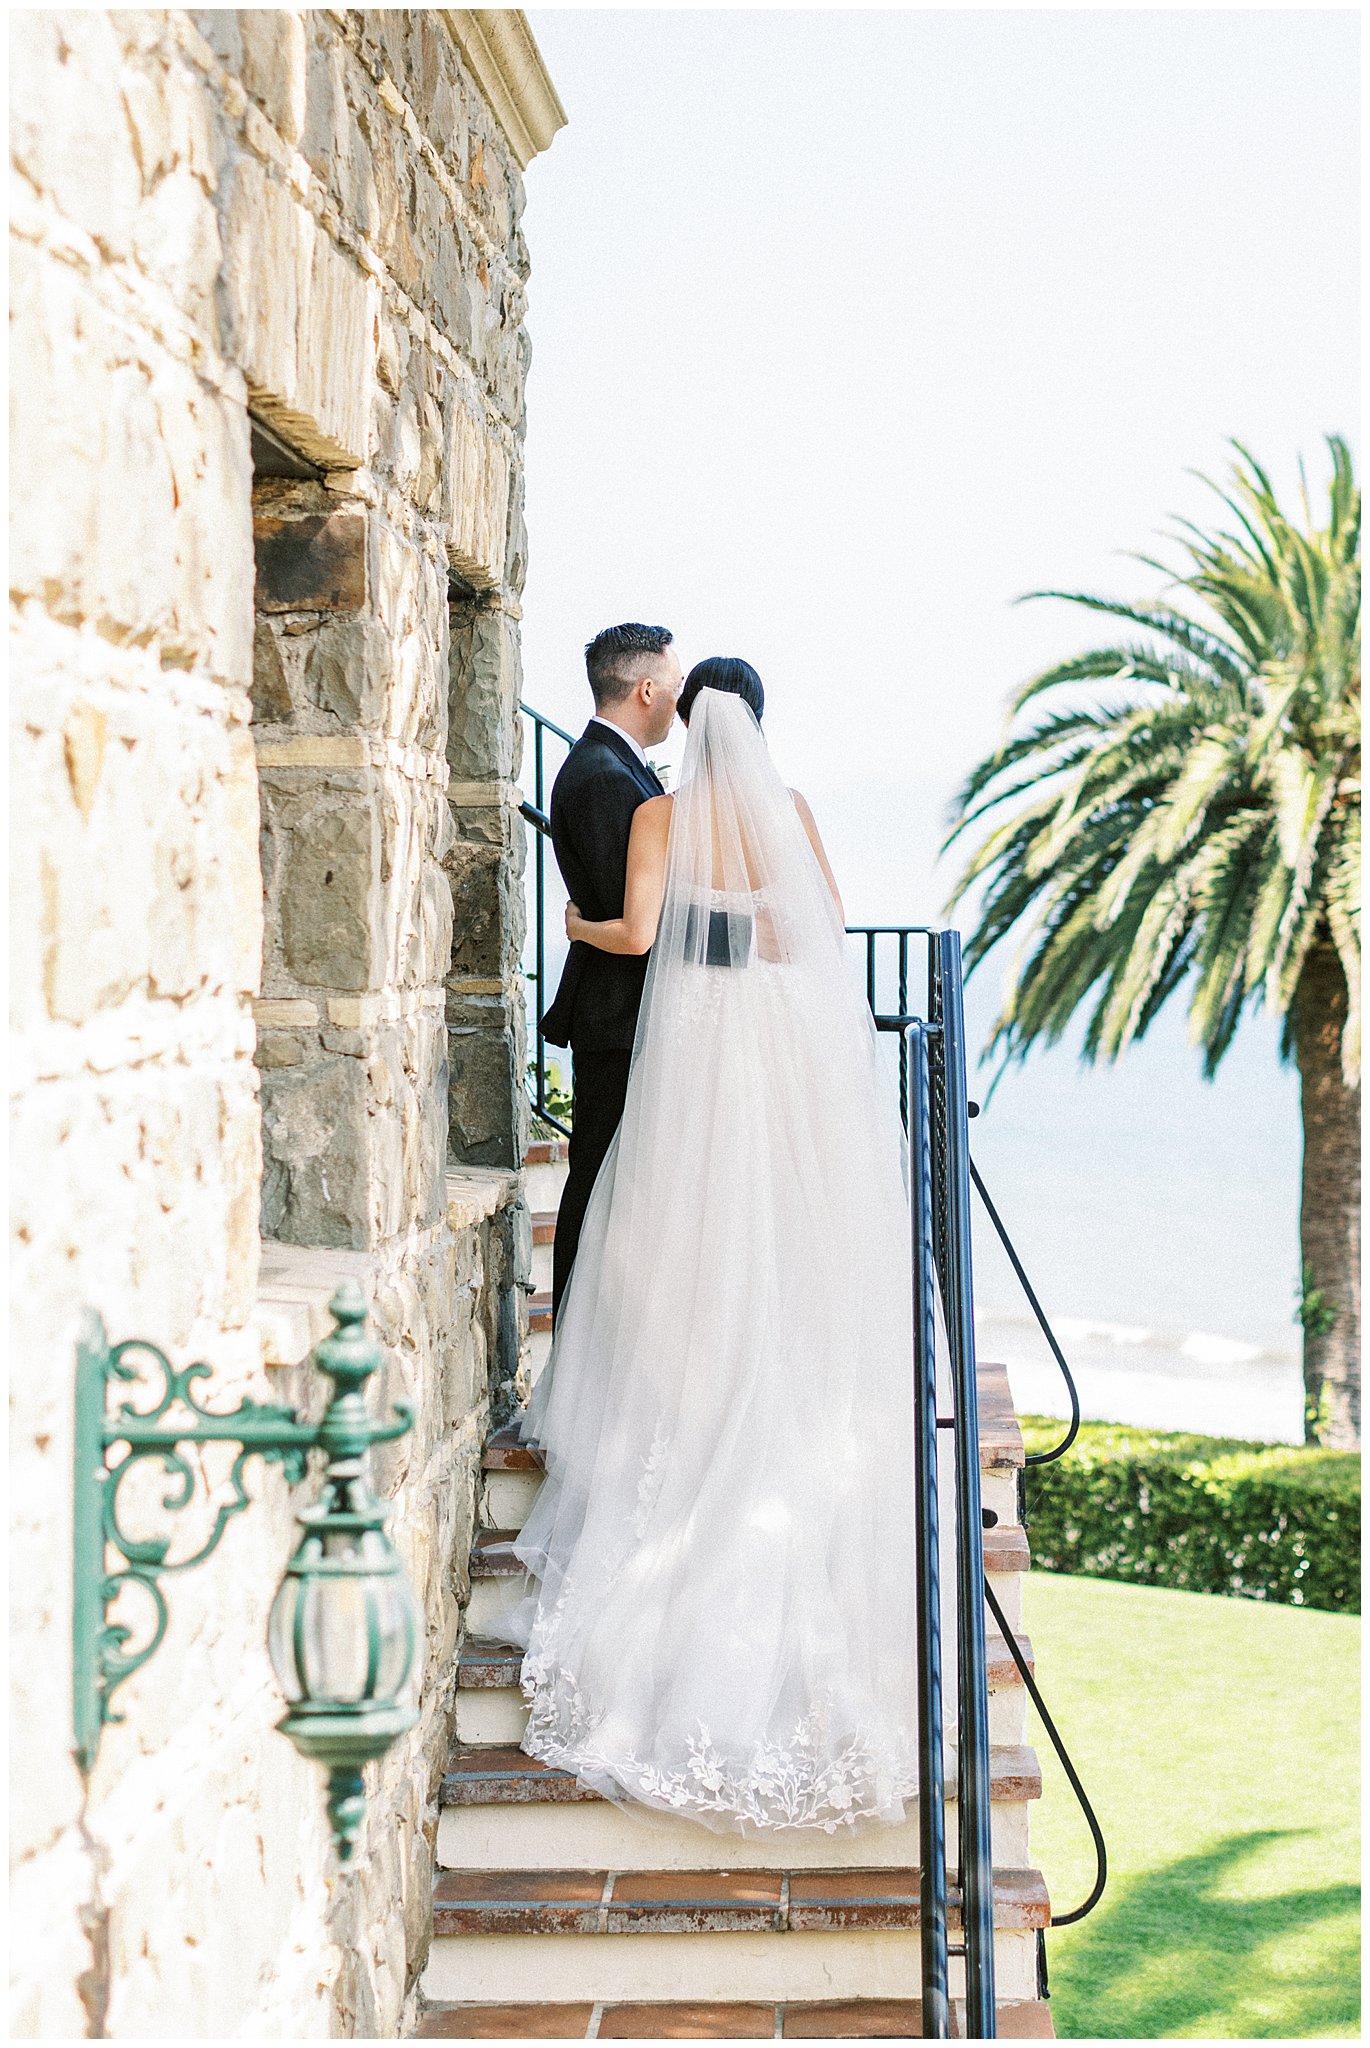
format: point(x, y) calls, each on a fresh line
point(343, 1629)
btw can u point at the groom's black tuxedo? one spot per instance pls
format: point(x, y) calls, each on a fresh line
point(600, 786)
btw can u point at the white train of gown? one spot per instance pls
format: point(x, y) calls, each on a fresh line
point(723, 1624)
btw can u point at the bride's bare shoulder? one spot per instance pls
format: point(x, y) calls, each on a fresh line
point(801, 804)
point(654, 816)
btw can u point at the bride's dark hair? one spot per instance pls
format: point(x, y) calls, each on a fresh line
point(723, 672)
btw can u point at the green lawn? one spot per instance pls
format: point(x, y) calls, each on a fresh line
point(1219, 1741)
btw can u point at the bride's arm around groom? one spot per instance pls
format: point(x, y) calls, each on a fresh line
point(645, 884)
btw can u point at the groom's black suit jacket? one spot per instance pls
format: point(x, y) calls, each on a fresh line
point(600, 786)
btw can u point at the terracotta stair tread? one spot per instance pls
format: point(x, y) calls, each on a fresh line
point(546, 1152)
point(504, 1453)
point(849, 2019)
point(502, 1774)
point(484, 1665)
point(1001, 1441)
point(478, 1902)
point(544, 1226)
point(1006, 1548)
point(492, 1552)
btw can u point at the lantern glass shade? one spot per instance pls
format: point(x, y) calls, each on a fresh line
point(343, 1624)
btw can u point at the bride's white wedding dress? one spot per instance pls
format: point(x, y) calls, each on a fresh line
point(724, 1621)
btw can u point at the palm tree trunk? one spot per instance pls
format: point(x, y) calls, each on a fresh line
point(1329, 1216)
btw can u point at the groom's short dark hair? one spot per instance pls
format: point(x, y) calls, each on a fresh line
point(613, 659)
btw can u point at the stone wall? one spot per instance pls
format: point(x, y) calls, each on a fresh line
point(267, 377)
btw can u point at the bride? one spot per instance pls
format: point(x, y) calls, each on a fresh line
point(723, 1624)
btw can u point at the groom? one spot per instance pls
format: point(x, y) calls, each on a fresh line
point(635, 678)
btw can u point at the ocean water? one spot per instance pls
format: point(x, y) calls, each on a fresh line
point(1158, 1378)
point(1157, 1217)
point(1156, 1213)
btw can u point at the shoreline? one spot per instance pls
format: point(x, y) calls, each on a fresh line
point(1150, 1378)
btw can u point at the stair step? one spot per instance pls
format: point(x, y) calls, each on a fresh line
point(497, 1774)
point(851, 2019)
point(546, 1152)
point(1001, 1440)
point(504, 1452)
point(509, 1494)
point(467, 1902)
point(540, 1311)
point(544, 1226)
point(492, 1552)
point(486, 1665)
point(498, 1715)
point(761, 1966)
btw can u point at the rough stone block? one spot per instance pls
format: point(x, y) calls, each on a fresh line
point(52, 1960)
point(265, 48)
point(298, 315)
point(483, 1097)
point(316, 1185)
point(311, 564)
point(477, 481)
point(480, 903)
point(486, 678)
point(411, 604)
point(406, 1100)
point(516, 545)
point(133, 837)
point(271, 699)
point(68, 133)
point(152, 468)
point(328, 896)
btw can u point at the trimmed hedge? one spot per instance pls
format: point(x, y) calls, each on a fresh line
point(1199, 1513)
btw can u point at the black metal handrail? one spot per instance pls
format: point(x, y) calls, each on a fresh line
point(932, 1853)
point(1096, 1891)
point(949, 1161)
point(870, 936)
point(1058, 1450)
point(536, 814)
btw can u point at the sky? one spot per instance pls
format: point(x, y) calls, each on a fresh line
point(851, 327)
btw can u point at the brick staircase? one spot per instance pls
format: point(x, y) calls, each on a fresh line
point(559, 1915)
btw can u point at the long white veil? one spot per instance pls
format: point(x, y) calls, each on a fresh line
point(725, 1620)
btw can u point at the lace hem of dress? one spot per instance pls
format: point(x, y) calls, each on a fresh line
point(790, 1784)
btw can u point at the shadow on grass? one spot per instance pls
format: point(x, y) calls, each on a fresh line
point(1176, 1952)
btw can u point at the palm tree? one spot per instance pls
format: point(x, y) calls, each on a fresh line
point(1198, 819)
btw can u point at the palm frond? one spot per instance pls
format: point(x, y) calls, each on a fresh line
point(1198, 822)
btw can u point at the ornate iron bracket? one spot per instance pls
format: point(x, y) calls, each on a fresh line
point(102, 1656)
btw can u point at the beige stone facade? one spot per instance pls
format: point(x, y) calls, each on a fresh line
point(268, 359)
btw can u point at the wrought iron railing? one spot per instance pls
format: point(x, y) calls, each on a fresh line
point(933, 1093)
point(535, 971)
point(936, 1111)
